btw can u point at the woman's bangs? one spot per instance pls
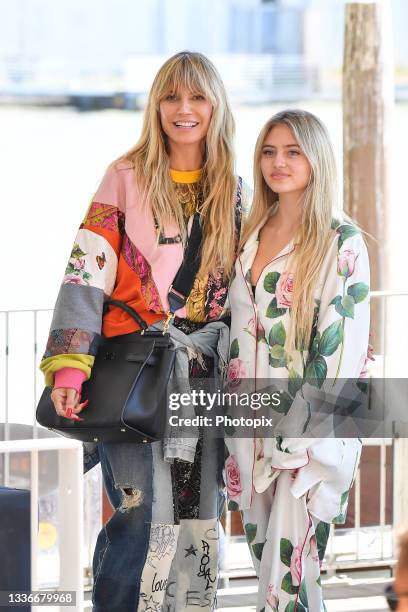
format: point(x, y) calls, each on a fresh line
point(185, 75)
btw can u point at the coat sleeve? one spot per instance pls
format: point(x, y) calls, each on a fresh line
point(88, 280)
point(340, 336)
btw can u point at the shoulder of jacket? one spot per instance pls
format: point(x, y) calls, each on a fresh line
point(123, 164)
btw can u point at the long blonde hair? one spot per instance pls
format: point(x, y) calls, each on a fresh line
point(196, 73)
point(319, 206)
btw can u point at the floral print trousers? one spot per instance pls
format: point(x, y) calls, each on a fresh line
point(287, 545)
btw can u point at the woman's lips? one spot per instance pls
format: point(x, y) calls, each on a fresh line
point(185, 125)
point(279, 175)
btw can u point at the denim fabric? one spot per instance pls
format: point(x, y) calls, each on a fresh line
point(140, 555)
point(122, 544)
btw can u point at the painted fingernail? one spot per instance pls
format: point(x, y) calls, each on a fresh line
point(69, 412)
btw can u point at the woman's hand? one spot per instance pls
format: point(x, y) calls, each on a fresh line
point(67, 403)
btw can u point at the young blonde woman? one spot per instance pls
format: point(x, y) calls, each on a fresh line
point(300, 317)
point(159, 550)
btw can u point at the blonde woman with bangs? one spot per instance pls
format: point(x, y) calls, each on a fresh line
point(300, 322)
point(159, 550)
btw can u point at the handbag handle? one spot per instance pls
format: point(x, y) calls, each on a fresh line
point(135, 316)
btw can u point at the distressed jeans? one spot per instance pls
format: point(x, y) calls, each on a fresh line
point(151, 555)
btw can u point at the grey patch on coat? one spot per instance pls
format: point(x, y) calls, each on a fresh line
point(78, 306)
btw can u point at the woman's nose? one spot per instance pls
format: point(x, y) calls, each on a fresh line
point(184, 106)
point(280, 160)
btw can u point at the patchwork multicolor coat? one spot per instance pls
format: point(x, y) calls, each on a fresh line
point(116, 253)
point(337, 351)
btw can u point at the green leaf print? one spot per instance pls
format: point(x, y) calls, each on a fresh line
point(284, 405)
point(347, 304)
point(277, 335)
point(346, 231)
point(70, 268)
point(229, 429)
point(277, 351)
point(250, 530)
point(331, 338)
point(257, 550)
point(316, 371)
point(287, 585)
point(314, 350)
point(77, 252)
point(278, 363)
point(358, 292)
point(303, 594)
point(286, 550)
point(295, 382)
point(340, 519)
point(273, 311)
point(344, 497)
point(290, 607)
point(344, 306)
point(322, 535)
point(233, 506)
point(270, 281)
point(234, 350)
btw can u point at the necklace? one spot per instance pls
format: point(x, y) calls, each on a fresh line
point(190, 197)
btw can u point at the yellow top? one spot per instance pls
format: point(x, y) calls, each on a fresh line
point(187, 176)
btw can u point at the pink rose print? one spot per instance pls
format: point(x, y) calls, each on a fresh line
point(296, 565)
point(370, 357)
point(314, 553)
point(284, 290)
point(73, 279)
point(236, 371)
point(272, 597)
point(79, 264)
point(346, 262)
point(255, 329)
point(233, 477)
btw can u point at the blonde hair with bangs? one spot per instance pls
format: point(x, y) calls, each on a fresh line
point(319, 206)
point(151, 160)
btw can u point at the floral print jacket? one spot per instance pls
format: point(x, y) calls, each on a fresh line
point(337, 350)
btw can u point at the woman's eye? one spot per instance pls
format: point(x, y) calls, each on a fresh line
point(268, 152)
point(198, 97)
point(293, 153)
point(170, 97)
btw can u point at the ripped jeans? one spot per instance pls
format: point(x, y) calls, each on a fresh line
point(159, 550)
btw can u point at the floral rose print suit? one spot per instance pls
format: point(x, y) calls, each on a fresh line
point(290, 489)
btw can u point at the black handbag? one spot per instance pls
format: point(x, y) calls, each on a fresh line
point(127, 390)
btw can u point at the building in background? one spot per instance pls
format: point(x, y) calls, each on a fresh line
point(265, 49)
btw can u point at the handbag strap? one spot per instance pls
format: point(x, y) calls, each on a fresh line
point(131, 311)
point(183, 281)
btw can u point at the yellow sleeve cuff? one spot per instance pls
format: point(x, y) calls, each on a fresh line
point(50, 365)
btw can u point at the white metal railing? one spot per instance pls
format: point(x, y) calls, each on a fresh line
point(70, 491)
point(353, 540)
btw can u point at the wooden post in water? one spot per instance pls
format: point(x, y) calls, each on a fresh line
point(367, 106)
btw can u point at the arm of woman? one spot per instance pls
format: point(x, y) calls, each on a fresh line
point(89, 277)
